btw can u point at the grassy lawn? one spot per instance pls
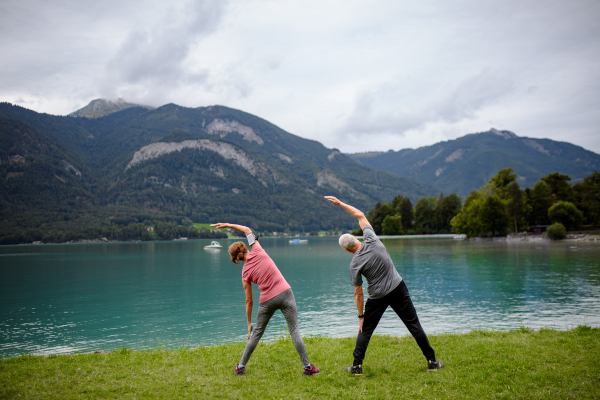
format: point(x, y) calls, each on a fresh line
point(479, 365)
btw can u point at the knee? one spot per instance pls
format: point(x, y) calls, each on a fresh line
point(366, 334)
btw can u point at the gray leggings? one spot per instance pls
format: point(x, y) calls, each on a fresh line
point(287, 304)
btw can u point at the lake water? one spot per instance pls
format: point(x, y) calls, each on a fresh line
point(79, 298)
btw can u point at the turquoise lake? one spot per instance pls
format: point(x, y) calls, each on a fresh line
point(57, 299)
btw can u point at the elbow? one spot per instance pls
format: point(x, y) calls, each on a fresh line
point(249, 303)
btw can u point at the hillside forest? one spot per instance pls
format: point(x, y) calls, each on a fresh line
point(71, 178)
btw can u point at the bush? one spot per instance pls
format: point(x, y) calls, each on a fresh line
point(357, 232)
point(556, 231)
point(566, 213)
point(392, 225)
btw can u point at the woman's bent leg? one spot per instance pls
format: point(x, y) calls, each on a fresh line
point(265, 312)
point(290, 312)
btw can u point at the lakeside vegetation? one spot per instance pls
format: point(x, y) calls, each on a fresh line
point(498, 208)
point(520, 364)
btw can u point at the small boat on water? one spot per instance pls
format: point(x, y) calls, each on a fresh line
point(460, 237)
point(213, 245)
point(298, 241)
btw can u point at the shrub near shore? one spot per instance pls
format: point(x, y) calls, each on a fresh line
point(482, 364)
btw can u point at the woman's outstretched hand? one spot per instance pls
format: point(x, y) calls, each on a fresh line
point(220, 225)
point(250, 327)
point(333, 200)
point(241, 228)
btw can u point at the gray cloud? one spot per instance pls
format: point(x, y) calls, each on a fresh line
point(156, 56)
point(391, 108)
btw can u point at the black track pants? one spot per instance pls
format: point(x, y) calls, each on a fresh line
point(401, 303)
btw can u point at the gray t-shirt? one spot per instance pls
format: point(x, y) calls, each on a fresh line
point(374, 263)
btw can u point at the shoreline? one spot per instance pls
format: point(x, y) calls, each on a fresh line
point(510, 238)
point(159, 348)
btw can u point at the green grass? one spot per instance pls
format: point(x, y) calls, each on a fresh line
point(522, 364)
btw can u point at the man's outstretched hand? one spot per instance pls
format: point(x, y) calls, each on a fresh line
point(355, 212)
point(333, 200)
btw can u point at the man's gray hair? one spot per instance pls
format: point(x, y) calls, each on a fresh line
point(347, 241)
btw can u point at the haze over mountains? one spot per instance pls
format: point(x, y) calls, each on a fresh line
point(464, 164)
point(206, 164)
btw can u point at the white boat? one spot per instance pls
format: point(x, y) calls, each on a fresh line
point(460, 237)
point(298, 241)
point(213, 245)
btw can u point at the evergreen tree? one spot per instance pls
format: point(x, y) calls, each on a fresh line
point(516, 205)
point(559, 187)
point(540, 199)
point(406, 213)
point(587, 198)
point(425, 215)
point(493, 215)
point(449, 208)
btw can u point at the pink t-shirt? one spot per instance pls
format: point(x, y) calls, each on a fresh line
point(261, 270)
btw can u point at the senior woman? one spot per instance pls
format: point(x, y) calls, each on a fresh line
point(275, 294)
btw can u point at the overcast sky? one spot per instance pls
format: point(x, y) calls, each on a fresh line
point(353, 75)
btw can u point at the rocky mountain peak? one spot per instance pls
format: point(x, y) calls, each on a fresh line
point(504, 134)
point(101, 107)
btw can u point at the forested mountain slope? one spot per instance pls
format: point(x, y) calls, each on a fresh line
point(464, 164)
point(205, 164)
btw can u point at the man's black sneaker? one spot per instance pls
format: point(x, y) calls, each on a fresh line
point(355, 369)
point(434, 365)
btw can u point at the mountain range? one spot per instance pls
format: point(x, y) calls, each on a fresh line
point(207, 164)
point(464, 164)
point(124, 163)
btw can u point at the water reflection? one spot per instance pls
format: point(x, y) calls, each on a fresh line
point(75, 298)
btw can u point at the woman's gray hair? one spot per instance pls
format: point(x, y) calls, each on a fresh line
point(347, 241)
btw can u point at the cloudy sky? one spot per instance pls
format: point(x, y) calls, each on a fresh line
point(354, 75)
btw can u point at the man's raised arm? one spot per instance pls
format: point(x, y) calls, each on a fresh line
point(355, 212)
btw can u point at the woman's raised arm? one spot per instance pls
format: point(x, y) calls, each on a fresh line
point(244, 229)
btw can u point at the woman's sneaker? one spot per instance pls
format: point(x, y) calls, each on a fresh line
point(239, 371)
point(311, 370)
point(433, 365)
point(355, 369)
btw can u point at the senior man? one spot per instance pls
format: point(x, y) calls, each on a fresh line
point(386, 288)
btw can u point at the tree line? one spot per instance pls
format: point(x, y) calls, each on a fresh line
point(73, 227)
point(497, 208)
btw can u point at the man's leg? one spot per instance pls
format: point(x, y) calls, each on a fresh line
point(374, 310)
point(403, 306)
point(265, 312)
